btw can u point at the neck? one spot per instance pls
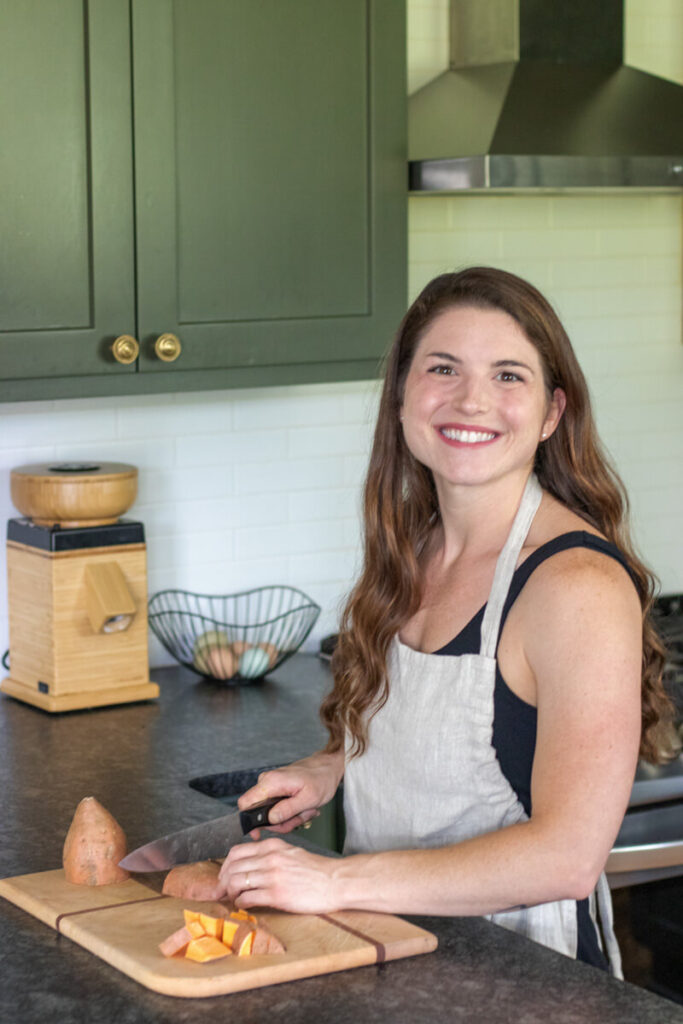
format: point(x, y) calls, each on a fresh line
point(475, 521)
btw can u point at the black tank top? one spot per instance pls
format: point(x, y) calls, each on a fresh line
point(515, 721)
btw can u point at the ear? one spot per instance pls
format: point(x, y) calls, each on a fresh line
point(554, 413)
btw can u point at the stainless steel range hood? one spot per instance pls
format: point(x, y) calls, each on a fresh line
point(538, 97)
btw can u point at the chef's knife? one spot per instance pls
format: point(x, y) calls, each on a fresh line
point(207, 841)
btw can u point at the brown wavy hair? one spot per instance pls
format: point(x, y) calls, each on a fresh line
point(401, 508)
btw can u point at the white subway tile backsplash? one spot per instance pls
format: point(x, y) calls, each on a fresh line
point(491, 213)
point(214, 546)
point(46, 421)
point(275, 412)
point(311, 570)
point(540, 243)
point(290, 538)
point(431, 213)
point(165, 417)
point(170, 485)
point(285, 475)
point(305, 506)
point(314, 441)
point(596, 272)
point(455, 248)
point(236, 447)
point(663, 240)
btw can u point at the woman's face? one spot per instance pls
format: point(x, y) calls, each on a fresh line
point(475, 406)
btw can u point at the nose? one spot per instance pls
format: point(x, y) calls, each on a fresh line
point(471, 396)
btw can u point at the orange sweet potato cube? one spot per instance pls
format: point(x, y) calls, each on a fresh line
point(229, 930)
point(244, 939)
point(242, 915)
point(211, 925)
point(205, 948)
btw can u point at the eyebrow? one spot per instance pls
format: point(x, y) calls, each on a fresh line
point(498, 363)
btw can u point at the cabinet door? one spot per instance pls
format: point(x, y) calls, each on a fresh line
point(66, 216)
point(270, 183)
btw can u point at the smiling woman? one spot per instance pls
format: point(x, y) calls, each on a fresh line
point(498, 631)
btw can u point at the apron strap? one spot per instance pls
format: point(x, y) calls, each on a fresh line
point(506, 564)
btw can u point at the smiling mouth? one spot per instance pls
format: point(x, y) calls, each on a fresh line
point(466, 436)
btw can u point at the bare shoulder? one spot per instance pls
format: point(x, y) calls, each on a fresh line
point(577, 578)
point(579, 615)
point(578, 589)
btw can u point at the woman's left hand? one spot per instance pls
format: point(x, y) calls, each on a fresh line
point(273, 873)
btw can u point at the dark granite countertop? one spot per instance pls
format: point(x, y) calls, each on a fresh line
point(137, 760)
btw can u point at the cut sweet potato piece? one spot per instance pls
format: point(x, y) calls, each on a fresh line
point(212, 925)
point(242, 915)
point(194, 881)
point(229, 930)
point(206, 948)
point(243, 939)
point(196, 929)
point(265, 941)
point(94, 845)
point(176, 943)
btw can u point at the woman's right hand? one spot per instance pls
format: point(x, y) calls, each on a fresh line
point(304, 787)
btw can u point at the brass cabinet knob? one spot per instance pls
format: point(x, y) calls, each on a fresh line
point(125, 349)
point(167, 347)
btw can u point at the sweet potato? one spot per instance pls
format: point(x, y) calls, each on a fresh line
point(265, 941)
point(176, 943)
point(194, 881)
point(206, 937)
point(243, 939)
point(94, 845)
point(206, 948)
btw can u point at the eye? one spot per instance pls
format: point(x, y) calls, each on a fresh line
point(442, 369)
point(508, 377)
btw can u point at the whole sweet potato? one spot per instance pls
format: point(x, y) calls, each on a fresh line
point(94, 845)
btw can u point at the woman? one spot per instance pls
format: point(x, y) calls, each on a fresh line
point(497, 673)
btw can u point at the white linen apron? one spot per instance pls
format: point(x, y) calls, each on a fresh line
point(430, 776)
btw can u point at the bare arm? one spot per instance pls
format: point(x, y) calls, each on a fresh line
point(582, 630)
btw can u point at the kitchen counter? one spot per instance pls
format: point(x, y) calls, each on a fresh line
point(137, 760)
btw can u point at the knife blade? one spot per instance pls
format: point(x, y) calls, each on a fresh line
point(207, 841)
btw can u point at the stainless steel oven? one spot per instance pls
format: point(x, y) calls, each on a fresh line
point(645, 868)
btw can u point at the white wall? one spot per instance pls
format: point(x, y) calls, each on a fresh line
point(246, 488)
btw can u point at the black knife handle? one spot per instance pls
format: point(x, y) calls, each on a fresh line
point(257, 816)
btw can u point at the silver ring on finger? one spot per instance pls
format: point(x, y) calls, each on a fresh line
point(246, 882)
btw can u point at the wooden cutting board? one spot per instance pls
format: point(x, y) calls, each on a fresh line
point(123, 924)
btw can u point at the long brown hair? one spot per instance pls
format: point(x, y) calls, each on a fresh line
point(400, 506)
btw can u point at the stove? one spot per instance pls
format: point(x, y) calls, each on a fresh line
point(668, 618)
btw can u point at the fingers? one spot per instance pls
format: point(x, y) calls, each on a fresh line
point(277, 874)
point(245, 868)
point(244, 856)
point(277, 782)
point(292, 811)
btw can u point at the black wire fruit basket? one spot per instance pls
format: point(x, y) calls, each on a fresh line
point(236, 637)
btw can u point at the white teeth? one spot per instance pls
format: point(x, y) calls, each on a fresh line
point(466, 436)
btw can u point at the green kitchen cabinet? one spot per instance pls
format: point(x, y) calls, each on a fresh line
point(229, 172)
